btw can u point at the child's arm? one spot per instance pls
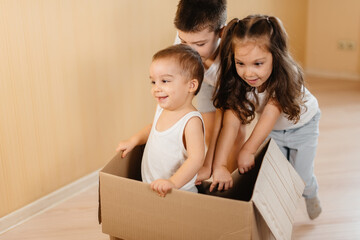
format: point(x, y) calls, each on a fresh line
point(138, 139)
point(195, 146)
point(205, 171)
point(228, 134)
point(265, 124)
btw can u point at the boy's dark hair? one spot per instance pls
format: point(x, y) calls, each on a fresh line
point(196, 15)
point(189, 60)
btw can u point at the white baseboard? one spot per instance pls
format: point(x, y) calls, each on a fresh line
point(39, 206)
point(332, 75)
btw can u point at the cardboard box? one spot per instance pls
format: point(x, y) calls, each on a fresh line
point(261, 205)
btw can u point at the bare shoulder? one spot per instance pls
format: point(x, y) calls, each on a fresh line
point(194, 125)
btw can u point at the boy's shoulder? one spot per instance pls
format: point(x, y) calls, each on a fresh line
point(211, 74)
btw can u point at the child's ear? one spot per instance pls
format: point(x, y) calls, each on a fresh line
point(193, 85)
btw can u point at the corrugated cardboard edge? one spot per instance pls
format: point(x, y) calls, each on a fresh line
point(263, 230)
point(99, 205)
point(277, 192)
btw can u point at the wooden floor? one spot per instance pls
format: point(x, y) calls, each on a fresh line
point(337, 167)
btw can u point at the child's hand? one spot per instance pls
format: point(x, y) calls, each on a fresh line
point(222, 178)
point(125, 147)
point(162, 186)
point(203, 174)
point(246, 161)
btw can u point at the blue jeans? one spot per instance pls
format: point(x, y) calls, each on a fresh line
point(299, 147)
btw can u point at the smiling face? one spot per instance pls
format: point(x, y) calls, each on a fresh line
point(205, 42)
point(171, 88)
point(253, 62)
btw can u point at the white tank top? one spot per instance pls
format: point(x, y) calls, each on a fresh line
point(165, 152)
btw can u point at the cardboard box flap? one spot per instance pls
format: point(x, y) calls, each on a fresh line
point(129, 166)
point(277, 192)
point(126, 167)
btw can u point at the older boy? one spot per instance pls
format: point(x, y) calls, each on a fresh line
point(199, 24)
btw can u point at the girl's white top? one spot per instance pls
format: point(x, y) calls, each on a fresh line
point(165, 152)
point(307, 112)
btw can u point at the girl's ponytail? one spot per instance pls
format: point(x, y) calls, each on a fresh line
point(226, 62)
point(287, 76)
point(278, 36)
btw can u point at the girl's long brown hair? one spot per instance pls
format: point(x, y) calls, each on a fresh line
point(286, 82)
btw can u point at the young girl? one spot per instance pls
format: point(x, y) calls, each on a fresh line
point(258, 75)
point(175, 141)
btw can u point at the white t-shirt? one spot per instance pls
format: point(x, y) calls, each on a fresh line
point(307, 112)
point(165, 152)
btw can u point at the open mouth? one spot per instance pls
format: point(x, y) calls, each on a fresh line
point(161, 99)
point(252, 81)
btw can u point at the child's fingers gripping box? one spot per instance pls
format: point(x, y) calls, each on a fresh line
point(261, 205)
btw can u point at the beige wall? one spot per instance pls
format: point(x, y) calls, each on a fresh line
point(74, 81)
point(331, 21)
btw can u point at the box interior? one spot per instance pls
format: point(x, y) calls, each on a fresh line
point(243, 183)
